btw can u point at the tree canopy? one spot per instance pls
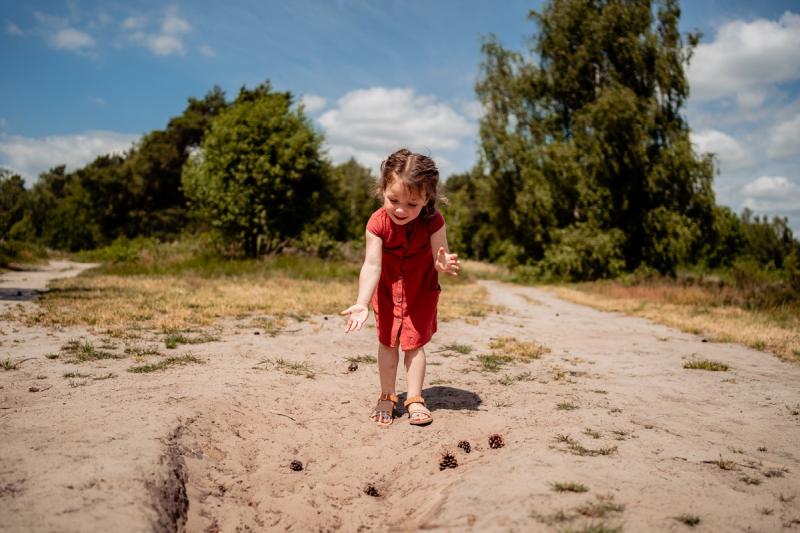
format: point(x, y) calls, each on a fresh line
point(586, 166)
point(259, 175)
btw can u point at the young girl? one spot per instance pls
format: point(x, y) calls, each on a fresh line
point(406, 248)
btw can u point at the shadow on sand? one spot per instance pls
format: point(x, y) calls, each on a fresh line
point(18, 295)
point(447, 398)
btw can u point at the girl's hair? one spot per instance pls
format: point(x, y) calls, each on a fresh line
point(419, 175)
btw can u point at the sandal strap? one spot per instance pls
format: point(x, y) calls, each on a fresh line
point(388, 396)
point(414, 399)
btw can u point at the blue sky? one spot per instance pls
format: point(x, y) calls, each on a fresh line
point(82, 78)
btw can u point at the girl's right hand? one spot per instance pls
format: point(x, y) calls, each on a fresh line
point(356, 316)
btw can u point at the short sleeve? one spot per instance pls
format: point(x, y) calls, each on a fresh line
point(435, 223)
point(377, 224)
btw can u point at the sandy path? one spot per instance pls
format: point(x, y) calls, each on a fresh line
point(128, 450)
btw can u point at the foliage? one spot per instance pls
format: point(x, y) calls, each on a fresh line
point(136, 193)
point(259, 176)
point(13, 201)
point(353, 189)
point(591, 137)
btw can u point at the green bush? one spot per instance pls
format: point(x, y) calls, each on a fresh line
point(583, 252)
point(259, 176)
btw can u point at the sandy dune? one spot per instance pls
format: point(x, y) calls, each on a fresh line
point(207, 447)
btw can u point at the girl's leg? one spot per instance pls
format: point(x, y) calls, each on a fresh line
point(415, 370)
point(387, 370)
point(415, 376)
point(387, 367)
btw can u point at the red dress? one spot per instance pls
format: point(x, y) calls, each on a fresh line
point(407, 294)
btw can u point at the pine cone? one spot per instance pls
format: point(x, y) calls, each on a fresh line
point(464, 445)
point(296, 465)
point(371, 491)
point(448, 461)
point(496, 441)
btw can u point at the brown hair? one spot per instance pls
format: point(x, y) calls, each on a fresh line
point(417, 172)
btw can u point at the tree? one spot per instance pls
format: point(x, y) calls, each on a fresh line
point(153, 170)
point(259, 176)
point(13, 201)
point(591, 139)
point(353, 189)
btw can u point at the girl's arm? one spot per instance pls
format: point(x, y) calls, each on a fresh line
point(367, 281)
point(442, 260)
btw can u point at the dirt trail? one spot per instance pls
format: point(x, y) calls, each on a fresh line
point(88, 454)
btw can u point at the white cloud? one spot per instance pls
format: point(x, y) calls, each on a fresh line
point(473, 109)
point(369, 124)
point(30, 156)
point(97, 100)
point(167, 40)
point(732, 156)
point(71, 39)
point(207, 51)
point(164, 45)
point(745, 56)
point(772, 194)
point(133, 23)
point(784, 138)
point(13, 29)
point(173, 24)
point(313, 102)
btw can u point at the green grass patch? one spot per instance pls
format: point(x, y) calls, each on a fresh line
point(688, 519)
point(363, 359)
point(600, 509)
point(82, 351)
point(8, 364)
point(292, 368)
point(595, 528)
point(463, 349)
point(165, 363)
point(706, 364)
point(76, 374)
point(142, 351)
point(492, 362)
point(174, 339)
point(510, 380)
point(569, 487)
point(200, 256)
point(566, 406)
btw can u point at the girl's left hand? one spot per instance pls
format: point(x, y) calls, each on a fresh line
point(447, 263)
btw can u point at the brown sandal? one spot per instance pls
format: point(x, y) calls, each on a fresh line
point(418, 417)
point(385, 407)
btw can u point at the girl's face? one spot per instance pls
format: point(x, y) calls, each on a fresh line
point(402, 205)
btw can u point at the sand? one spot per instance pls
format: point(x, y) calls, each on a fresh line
point(208, 447)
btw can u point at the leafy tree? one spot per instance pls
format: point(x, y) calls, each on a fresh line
point(13, 201)
point(259, 176)
point(767, 242)
point(591, 137)
point(153, 169)
point(353, 190)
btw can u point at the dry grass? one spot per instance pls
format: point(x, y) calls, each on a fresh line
point(706, 364)
point(179, 301)
point(519, 350)
point(462, 299)
point(289, 367)
point(694, 309)
point(569, 487)
point(165, 363)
